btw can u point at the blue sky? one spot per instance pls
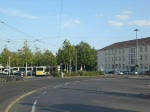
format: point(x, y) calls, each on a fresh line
point(97, 22)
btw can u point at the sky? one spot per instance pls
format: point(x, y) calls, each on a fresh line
point(47, 23)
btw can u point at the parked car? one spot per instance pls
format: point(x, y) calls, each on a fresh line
point(119, 73)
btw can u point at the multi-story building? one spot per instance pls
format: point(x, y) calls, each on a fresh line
point(130, 56)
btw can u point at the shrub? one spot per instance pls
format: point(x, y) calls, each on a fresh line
point(56, 74)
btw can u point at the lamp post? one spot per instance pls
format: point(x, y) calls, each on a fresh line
point(9, 66)
point(76, 61)
point(136, 30)
point(70, 67)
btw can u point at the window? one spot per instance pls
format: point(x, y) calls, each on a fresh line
point(123, 66)
point(123, 51)
point(145, 56)
point(141, 49)
point(145, 48)
point(119, 51)
point(123, 58)
point(141, 66)
point(119, 58)
point(119, 66)
point(141, 57)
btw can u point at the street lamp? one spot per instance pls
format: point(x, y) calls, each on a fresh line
point(136, 30)
point(9, 66)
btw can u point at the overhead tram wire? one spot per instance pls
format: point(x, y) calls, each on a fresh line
point(27, 35)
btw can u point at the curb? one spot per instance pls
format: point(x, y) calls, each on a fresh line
point(15, 101)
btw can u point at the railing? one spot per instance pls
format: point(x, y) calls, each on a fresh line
point(7, 78)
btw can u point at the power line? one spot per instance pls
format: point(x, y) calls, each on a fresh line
point(27, 35)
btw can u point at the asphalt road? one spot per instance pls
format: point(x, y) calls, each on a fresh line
point(10, 91)
point(86, 95)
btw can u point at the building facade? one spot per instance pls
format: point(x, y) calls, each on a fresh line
point(127, 56)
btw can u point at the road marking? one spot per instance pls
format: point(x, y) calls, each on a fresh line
point(58, 86)
point(67, 83)
point(17, 100)
point(33, 107)
point(43, 93)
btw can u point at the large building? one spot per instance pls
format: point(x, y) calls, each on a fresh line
point(127, 56)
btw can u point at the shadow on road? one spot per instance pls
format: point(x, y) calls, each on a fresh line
point(75, 108)
point(142, 95)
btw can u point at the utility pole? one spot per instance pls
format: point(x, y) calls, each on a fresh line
point(76, 61)
point(136, 30)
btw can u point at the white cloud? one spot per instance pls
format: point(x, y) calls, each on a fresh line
point(140, 23)
point(72, 23)
point(127, 12)
point(17, 13)
point(123, 17)
point(116, 23)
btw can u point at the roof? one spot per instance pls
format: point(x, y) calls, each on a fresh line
point(125, 44)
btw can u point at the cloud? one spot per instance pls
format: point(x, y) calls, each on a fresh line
point(140, 23)
point(116, 23)
point(17, 13)
point(72, 23)
point(123, 17)
point(127, 12)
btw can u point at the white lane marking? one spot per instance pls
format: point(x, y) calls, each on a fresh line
point(58, 86)
point(76, 81)
point(43, 93)
point(33, 107)
point(67, 83)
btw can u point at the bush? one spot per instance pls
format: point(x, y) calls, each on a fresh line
point(80, 73)
point(56, 74)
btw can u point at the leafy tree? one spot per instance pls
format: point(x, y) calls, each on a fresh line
point(48, 58)
point(26, 54)
point(87, 55)
point(66, 55)
point(5, 56)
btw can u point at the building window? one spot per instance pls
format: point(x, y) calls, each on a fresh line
point(119, 66)
point(123, 66)
point(145, 48)
point(141, 49)
point(127, 68)
point(141, 66)
point(123, 51)
point(119, 58)
point(141, 57)
point(112, 59)
point(123, 58)
point(145, 56)
point(119, 51)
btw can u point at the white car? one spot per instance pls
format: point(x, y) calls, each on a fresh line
point(119, 73)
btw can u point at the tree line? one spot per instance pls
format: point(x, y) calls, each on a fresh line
point(68, 56)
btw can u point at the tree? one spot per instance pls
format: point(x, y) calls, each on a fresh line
point(48, 58)
point(5, 56)
point(26, 54)
point(87, 55)
point(66, 55)
point(38, 57)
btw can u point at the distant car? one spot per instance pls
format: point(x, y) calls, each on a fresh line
point(6, 71)
point(119, 73)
